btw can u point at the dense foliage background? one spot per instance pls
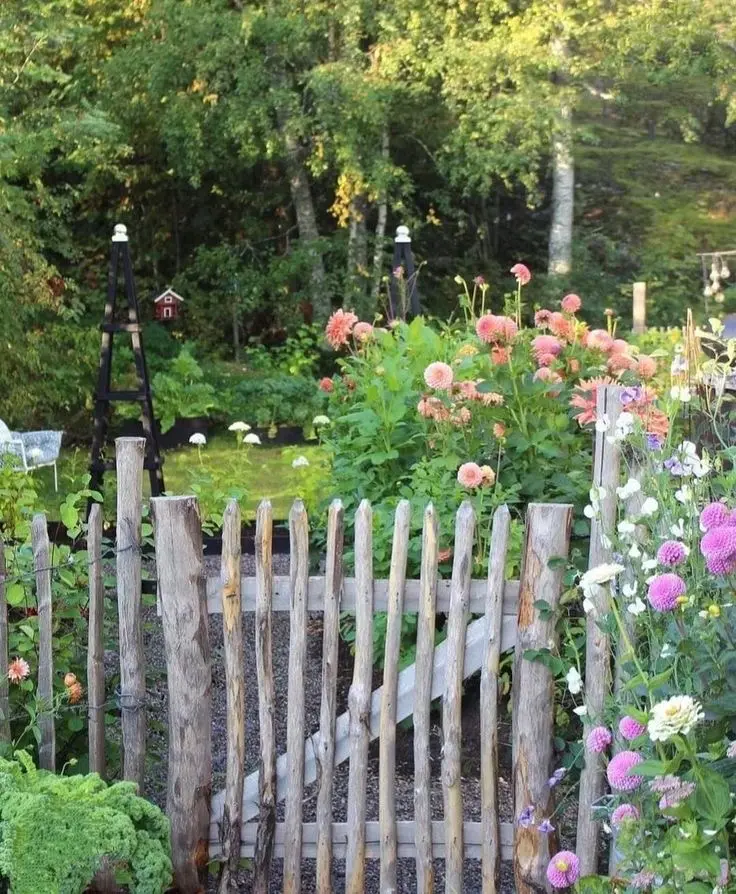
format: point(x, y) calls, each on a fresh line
point(262, 153)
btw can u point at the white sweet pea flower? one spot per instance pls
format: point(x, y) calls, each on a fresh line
point(636, 607)
point(624, 426)
point(630, 589)
point(588, 605)
point(603, 423)
point(635, 552)
point(582, 711)
point(684, 494)
point(667, 651)
point(574, 681)
point(625, 528)
point(631, 487)
point(601, 574)
point(649, 507)
point(680, 392)
point(589, 511)
point(649, 564)
point(678, 530)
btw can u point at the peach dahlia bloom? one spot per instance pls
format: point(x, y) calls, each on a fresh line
point(438, 376)
point(571, 304)
point(339, 327)
point(470, 475)
point(522, 273)
point(18, 670)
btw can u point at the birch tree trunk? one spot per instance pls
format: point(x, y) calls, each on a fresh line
point(380, 233)
point(563, 197)
point(358, 255)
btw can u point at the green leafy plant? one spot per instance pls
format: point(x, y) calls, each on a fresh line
point(182, 393)
point(87, 825)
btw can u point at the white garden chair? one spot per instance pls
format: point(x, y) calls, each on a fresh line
point(34, 449)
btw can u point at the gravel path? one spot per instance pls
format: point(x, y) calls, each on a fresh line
point(157, 742)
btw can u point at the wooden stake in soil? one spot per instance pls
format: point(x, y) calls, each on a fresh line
point(129, 455)
point(489, 701)
point(4, 660)
point(639, 309)
point(328, 704)
point(423, 702)
point(178, 540)
point(95, 644)
point(387, 742)
point(299, 570)
point(266, 698)
point(545, 549)
point(457, 622)
point(232, 628)
point(606, 475)
point(42, 565)
point(359, 700)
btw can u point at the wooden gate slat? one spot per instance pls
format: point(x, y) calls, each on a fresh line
point(4, 683)
point(266, 698)
point(387, 742)
point(462, 568)
point(328, 703)
point(489, 803)
point(299, 575)
point(423, 702)
point(96, 644)
point(359, 700)
point(42, 566)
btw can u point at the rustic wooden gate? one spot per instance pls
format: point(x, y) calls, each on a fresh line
point(241, 821)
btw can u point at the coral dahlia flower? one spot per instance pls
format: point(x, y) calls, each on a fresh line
point(522, 273)
point(339, 327)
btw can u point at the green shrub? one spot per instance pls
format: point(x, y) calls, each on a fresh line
point(181, 393)
point(279, 399)
point(56, 830)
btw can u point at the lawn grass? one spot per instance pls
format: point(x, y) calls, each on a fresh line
point(220, 470)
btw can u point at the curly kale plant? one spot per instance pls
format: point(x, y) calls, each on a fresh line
point(55, 832)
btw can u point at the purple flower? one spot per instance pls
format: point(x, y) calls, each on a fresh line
point(630, 728)
point(623, 813)
point(714, 515)
point(526, 817)
point(664, 591)
point(618, 771)
point(479, 280)
point(654, 443)
point(599, 738)
point(563, 870)
point(557, 777)
point(546, 827)
point(674, 466)
point(719, 542)
point(631, 395)
point(671, 553)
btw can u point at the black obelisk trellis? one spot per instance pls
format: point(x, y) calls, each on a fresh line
point(104, 396)
point(403, 260)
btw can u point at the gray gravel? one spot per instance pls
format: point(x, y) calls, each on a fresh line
point(157, 742)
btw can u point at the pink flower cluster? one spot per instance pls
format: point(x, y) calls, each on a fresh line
point(496, 330)
point(619, 770)
point(599, 738)
point(714, 515)
point(673, 790)
point(630, 728)
point(471, 475)
point(671, 553)
point(664, 591)
point(624, 813)
point(343, 324)
point(718, 544)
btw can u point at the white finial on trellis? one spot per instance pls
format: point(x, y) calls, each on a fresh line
point(120, 234)
point(402, 234)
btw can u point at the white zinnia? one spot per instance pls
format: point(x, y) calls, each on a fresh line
point(321, 420)
point(299, 462)
point(239, 426)
point(198, 439)
point(251, 439)
point(574, 681)
point(679, 714)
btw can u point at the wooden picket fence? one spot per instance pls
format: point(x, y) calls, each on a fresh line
point(484, 618)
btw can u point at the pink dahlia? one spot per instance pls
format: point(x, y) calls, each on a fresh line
point(545, 374)
point(562, 326)
point(500, 356)
point(542, 318)
point(571, 304)
point(664, 591)
point(624, 813)
point(599, 738)
point(362, 331)
point(563, 870)
point(546, 344)
point(339, 327)
point(599, 340)
point(586, 397)
point(438, 376)
point(18, 670)
point(620, 346)
point(646, 366)
point(326, 384)
point(618, 363)
point(470, 475)
point(494, 329)
point(630, 728)
point(618, 771)
point(720, 567)
point(522, 273)
point(671, 553)
point(469, 390)
point(713, 515)
point(719, 542)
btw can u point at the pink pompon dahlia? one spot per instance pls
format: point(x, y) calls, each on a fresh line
point(620, 346)
point(438, 376)
point(646, 366)
point(619, 363)
point(571, 304)
point(618, 771)
point(545, 374)
point(599, 340)
point(496, 330)
point(470, 475)
point(326, 384)
point(522, 273)
point(561, 326)
point(719, 542)
point(599, 738)
point(18, 670)
point(339, 327)
point(720, 567)
point(546, 344)
point(672, 553)
point(714, 515)
point(624, 813)
point(665, 590)
point(362, 331)
point(630, 728)
point(542, 318)
point(563, 870)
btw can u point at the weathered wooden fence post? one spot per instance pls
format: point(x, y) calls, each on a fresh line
point(639, 309)
point(42, 566)
point(178, 540)
point(359, 700)
point(232, 630)
point(606, 475)
point(423, 702)
point(387, 742)
point(95, 644)
point(546, 546)
point(129, 456)
point(489, 701)
point(457, 623)
point(4, 694)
